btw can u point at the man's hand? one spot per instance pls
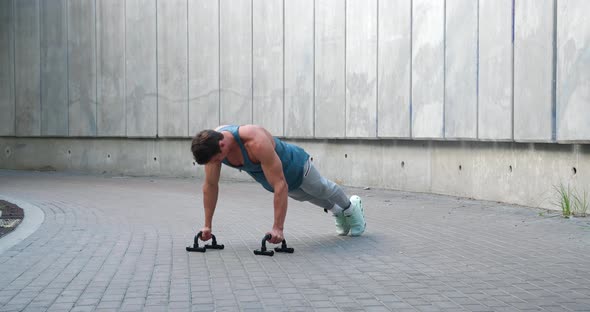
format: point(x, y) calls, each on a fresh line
point(277, 236)
point(205, 233)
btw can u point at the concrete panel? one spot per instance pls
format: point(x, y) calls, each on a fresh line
point(330, 68)
point(361, 68)
point(573, 70)
point(54, 68)
point(27, 68)
point(495, 70)
point(140, 60)
point(110, 67)
point(428, 68)
point(82, 67)
point(203, 58)
point(7, 67)
point(461, 69)
point(517, 173)
point(299, 65)
point(533, 70)
point(393, 99)
point(172, 68)
point(267, 43)
point(236, 61)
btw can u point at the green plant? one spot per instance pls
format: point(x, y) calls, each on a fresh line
point(580, 204)
point(565, 200)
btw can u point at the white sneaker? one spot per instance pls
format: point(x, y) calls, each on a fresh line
point(355, 216)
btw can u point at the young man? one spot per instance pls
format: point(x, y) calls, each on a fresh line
point(282, 168)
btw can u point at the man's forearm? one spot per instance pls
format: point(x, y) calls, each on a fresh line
point(210, 193)
point(280, 205)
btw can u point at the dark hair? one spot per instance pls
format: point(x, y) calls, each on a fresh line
point(206, 145)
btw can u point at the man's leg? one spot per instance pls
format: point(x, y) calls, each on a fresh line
point(323, 189)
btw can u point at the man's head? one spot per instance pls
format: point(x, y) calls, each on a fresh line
point(206, 146)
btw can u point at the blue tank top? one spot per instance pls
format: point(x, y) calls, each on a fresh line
point(293, 158)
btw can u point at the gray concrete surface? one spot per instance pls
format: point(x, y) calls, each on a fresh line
point(117, 244)
point(517, 173)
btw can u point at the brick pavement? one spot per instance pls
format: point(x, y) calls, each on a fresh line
point(117, 244)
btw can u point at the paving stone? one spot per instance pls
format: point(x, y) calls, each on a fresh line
point(117, 243)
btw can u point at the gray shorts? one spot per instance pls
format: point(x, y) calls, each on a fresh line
point(319, 190)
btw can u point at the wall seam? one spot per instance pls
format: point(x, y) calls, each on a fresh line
point(13, 24)
point(444, 99)
point(283, 61)
point(377, 75)
point(68, 65)
point(157, 76)
point(96, 72)
point(477, 79)
point(345, 66)
point(313, 74)
point(188, 106)
point(252, 60)
point(512, 69)
point(39, 21)
point(411, 65)
point(125, 66)
point(219, 61)
point(512, 65)
point(554, 76)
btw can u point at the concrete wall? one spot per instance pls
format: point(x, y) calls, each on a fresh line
point(466, 72)
point(521, 173)
point(497, 70)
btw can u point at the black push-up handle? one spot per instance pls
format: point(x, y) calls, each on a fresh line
point(264, 252)
point(196, 247)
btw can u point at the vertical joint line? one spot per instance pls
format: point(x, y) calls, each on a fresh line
point(252, 60)
point(554, 76)
point(157, 77)
point(377, 75)
point(313, 74)
point(219, 61)
point(188, 101)
point(512, 65)
point(68, 66)
point(125, 66)
point(411, 62)
point(40, 69)
point(477, 79)
point(345, 67)
point(444, 99)
point(14, 64)
point(283, 38)
point(95, 73)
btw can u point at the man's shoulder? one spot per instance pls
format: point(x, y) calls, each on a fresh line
point(251, 131)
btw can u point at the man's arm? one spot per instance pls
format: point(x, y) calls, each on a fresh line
point(210, 192)
point(263, 149)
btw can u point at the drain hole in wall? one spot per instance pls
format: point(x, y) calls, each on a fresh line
point(69, 152)
point(109, 156)
point(193, 163)
point(510, 168)
point(574, 170)
point(345, 155)
point(311, 158)
point(155, 159)
point(460, 167)
point(403, 163)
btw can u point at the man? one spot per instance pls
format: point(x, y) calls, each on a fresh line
point(280, 167)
